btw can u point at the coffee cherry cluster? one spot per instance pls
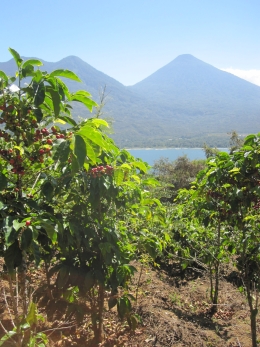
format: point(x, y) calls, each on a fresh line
point(17, 120)
point(21, 125)
point(5, 135)
point(16, 162)
point(101, 170)
point(14, 159)
point(257, 205)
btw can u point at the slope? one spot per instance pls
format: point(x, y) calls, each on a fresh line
point(185, 103)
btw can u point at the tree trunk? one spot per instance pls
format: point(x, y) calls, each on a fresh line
point(49, 293)
point(97, 308)
point(100, 330)
point(253, 314)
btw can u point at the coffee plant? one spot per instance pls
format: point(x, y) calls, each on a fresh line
point(70, 201)
point(218, 220)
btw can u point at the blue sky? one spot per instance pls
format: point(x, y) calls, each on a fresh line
point(130, 39)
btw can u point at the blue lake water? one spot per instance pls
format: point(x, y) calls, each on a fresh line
point(150, 155)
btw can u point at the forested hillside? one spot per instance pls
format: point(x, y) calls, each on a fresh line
point(185, 103)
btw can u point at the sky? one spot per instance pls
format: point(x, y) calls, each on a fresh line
point(130, 39)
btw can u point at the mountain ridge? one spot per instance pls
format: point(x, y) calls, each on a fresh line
point(187, 101)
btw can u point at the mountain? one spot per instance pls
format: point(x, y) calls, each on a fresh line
point(185, 103)
point(207, 98)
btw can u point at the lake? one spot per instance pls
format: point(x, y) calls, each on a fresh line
point(150, 155)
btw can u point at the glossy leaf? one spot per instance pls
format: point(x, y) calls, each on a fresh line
point(3, 181)
point(65, 73)
point(48, 190)
point(90, 133)
point(89, 103)
point(39, 93)
point(16, 57)
point(13, 257)
point(31, 317)
point(80, 149)
point(26, 239)
point(63, 277)
point(35, 62)
point(7, 336)
point(55, 100)
point(4, 76)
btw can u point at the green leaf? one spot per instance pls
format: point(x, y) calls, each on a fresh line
point(7, 336)
point(151, 181)
point(123, 307)
point(61, 151)
point(3, 181)
point(38, 114)
point(140, 165)
point(17, 225)
point(82, 93)
point(249, 140)
point(235, 169)
point(112, 302)
point(36, 252)
point(68, 120)
point(48, 190)
point(16, 57)
point(98, 122)
point(31, 317)
point(10, 233)
point(39, 93)
point(119, 176)
point(74, 164)
point(35, 62)
point(80, 149)
point(26, 239)
point(37, 76)
point(63, 89)
point(89, 103)
point(27, 71)
point(91, 153)
point(92, 134)
point(13, 257)
point(133, 321)
point(63, 277)
point(4, 76)
point(55, 96)
point(65, 73)
point(49, 228)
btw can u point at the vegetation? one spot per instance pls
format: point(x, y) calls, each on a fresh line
point(83, 211)
point(68, 198)
point(175, 175)
point(216, 221)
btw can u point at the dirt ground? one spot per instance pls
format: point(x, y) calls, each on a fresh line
point(173, 311)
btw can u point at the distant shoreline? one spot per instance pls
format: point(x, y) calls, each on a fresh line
point(170, 148)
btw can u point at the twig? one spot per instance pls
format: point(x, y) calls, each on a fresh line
point(138, 283)
point(238, 342)
point(58, 328)
point(17, 289)
point(8, 309)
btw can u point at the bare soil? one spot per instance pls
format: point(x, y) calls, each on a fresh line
point(174, 311)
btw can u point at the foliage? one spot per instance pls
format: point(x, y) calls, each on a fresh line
point(69, 197)
point(175, 175)
point(223, 204)
point(209, 151)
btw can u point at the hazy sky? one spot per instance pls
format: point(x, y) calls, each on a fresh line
point(130, 39)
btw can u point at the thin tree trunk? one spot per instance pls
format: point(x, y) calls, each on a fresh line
point(216, 289)
point(253, 314)
point(100, 330)
point(48, 280)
